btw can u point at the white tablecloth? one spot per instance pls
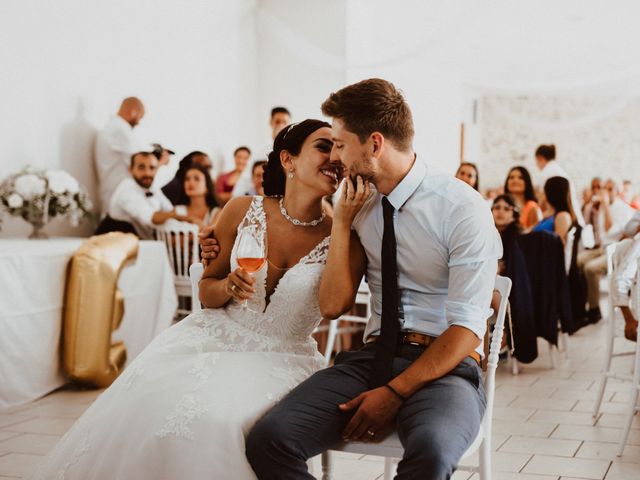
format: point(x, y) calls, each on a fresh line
point(32, 281)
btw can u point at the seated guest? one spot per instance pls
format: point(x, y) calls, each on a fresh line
point(591, 193)
point(513, 265)
point(520, 187)
point(627, 193)
point(506, 218)
point(136, 207)
point(257, 175)
point(227, 181)
point(633, 226)
point(199, 202)
point(549, 167)
point(162, 154)
point(608, 215)
point(558, 209)
point(468, 173)
point(626, 261)
point(174, 190)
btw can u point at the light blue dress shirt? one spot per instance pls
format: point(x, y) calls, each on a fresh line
point(447, 253)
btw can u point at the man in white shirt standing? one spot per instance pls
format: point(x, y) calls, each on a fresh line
point(549, 167)
point(280, 118)
point(608, 215)
point(137, 203)
point(432, 250)
point(115, 144)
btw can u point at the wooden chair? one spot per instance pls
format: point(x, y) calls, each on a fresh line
point(391, 448)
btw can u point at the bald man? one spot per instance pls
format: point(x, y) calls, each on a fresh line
point(115, 144)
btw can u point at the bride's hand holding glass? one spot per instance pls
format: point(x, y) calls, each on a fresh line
point(251, 253)
point(239, 285)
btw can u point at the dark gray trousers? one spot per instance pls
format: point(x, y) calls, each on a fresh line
point(436, 425)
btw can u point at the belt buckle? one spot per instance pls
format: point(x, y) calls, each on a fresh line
point(406, 341)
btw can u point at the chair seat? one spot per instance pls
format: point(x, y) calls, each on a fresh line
point(391, 446)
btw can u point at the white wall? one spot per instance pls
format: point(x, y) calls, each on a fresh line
point(66, 65)
point(209, 71)
point(301, 50)
point(594, 136)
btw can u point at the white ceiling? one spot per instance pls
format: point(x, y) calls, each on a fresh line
point(518, 45)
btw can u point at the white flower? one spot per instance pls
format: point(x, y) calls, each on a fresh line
point(29, 186)
point(60, 181)
point(15, 201)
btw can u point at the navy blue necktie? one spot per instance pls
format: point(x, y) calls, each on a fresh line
point(389, 328)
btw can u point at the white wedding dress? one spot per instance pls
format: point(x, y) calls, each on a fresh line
point(182, 409)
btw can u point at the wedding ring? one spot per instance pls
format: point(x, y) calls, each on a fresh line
point(371, 433)
point(233, 287)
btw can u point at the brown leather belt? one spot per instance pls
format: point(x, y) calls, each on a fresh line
point(420, 339)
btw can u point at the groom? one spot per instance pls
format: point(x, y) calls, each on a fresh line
point(419, 371)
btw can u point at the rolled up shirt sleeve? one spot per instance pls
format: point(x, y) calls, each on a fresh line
point(633, 226)
point(625, 272)
point(474, 250)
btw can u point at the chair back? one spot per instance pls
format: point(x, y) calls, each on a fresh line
point(635, 294)
point(611, 250)
point(181, 240)
point(503, 286)
point(568, 249)
point(195, 274)
point(363, 297)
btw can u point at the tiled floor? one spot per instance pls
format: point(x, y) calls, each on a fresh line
point(543, 428)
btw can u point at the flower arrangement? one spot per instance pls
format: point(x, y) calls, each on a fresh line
point(40, 195)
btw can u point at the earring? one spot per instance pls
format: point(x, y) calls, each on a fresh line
point(290, 173)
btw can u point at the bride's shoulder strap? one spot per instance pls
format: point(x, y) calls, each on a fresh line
point(255, 213)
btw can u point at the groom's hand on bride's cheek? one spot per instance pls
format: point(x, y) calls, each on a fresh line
point(209, 247)
point(375, 412)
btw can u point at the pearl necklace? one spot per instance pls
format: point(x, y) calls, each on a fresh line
point(297, 222)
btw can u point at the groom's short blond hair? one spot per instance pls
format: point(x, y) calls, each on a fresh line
point(373, 105)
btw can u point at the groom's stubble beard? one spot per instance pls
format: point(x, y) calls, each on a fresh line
point(364, 167)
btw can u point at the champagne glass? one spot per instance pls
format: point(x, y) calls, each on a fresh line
point(252, 250)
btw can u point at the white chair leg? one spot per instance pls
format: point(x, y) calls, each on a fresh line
point(607, 363)
point(633, 401)
point(632, 406)
point(565, 342)
point(552, 357)
point(326, 465)
point(388, 468)
point(485, 460)
point(514, 365)
point(331, 340)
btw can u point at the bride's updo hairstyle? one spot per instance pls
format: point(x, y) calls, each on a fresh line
point(290, 139)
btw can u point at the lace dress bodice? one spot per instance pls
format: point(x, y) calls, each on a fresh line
point(292, 311)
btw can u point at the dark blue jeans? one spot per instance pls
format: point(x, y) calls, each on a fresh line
point(436, 425)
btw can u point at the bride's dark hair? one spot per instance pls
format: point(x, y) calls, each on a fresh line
point(290, 139)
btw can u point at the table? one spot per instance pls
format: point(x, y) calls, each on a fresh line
point(32, 282)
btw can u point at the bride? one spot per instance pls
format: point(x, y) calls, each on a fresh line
point(183, 407)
